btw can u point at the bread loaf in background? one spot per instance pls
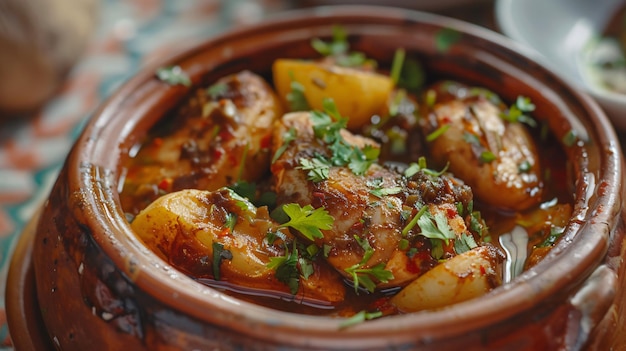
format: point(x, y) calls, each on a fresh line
point(40, 40)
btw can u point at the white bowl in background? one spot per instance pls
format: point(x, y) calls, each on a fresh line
point(561, 32)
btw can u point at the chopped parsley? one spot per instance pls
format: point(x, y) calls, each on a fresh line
point(555, 234)
point(435, 227)
point(431, 97)
point(360, 317)
point(421, 166)
point(445, 38)
point(217, 90)
point(438, 132)
point(396, 65)
point(569, 139)
point(339, 44)
point(464, 243)
point(289, 136)
point(307, 220)
point(327, 127)
point(295, 97)
point(363, 276)
point(338, 48)
point(286, 268)
point(413, 222)
point(219, 254)
point(318, 168)
point(524, 167)
point(230, 221)
point(380, 191)
point(173, 75)
point(517, 112)
point(487, 156)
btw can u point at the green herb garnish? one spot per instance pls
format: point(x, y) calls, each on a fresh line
point(307, 220)
point(286, 268)
point(517, 112)
point(487, 156)
point(464, 243)
point(421, 166)
point(173, 75)
point(414, 220)
point(219, 254)
point(555, 234)
point(524, 167)
point(363, 276)
point(380, 191)
point(396, 66)
point(230, 221)
point(569, 139)
point(360, 317)
point(438, 132)
point(327, 127)
point(289, 136)
point(445, 38)
point(318, 168)
point(217, 90)
point(295, 97)
point(435, 227)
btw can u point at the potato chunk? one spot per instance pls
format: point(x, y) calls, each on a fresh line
point(463, 277)
point(357, 94)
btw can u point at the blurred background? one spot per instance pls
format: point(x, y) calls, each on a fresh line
point(59, 59)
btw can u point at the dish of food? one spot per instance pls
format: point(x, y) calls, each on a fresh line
point(218, 200)
point(348, 187)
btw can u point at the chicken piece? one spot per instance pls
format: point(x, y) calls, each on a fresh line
point(496, 158)
point(221, 136)
point(371, 232)
point(222, 236)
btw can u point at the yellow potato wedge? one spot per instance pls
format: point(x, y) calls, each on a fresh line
point(463, 277)
point(357, 94)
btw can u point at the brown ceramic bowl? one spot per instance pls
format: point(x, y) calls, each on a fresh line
point(99, 288)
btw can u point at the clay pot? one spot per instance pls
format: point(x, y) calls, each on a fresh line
point(99, 288)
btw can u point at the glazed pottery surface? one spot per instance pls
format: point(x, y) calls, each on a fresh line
point(99, 288)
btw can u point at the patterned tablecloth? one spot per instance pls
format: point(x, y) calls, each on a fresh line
point(128, 33)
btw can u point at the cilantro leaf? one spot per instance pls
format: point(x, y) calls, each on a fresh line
point(307, 220)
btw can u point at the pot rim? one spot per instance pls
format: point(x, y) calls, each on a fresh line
point(151, 274)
